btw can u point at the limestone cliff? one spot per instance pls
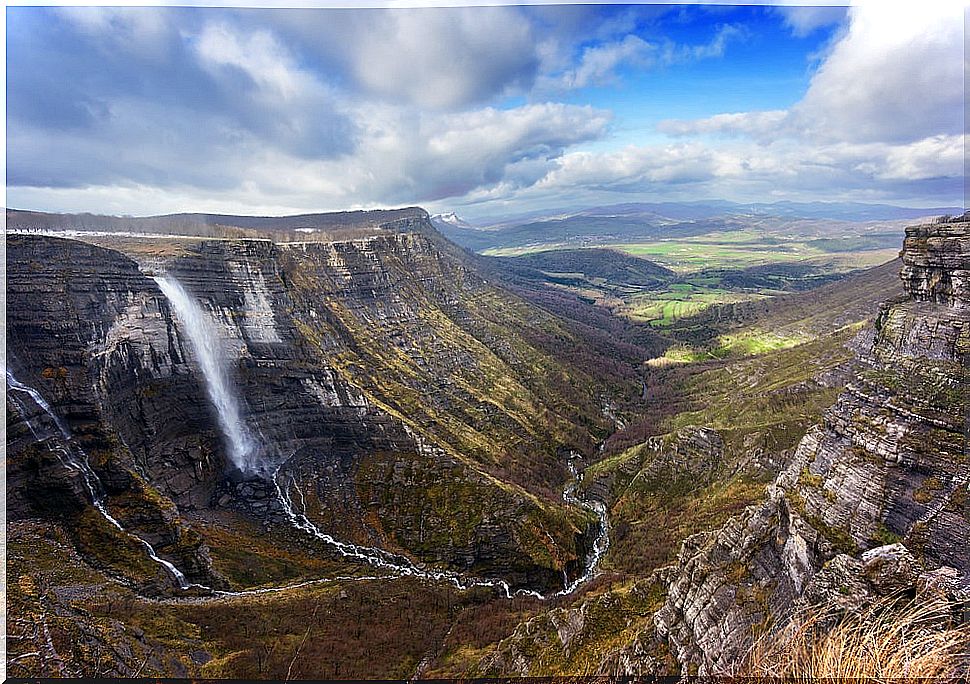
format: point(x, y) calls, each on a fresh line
point(388, 382)
point(885, 476)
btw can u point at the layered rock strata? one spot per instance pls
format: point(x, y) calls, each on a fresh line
point(380, 377)
point(883, 478)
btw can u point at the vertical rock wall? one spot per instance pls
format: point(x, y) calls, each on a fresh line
point(886, 473)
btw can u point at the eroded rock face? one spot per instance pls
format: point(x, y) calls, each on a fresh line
point(364, 368)
point(935, 262)
point(875, 497)
point(91, 333)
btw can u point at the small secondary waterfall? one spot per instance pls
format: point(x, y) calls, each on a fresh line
point(15, 384)
point(206, 345)
point(602, 541)
point(75, 458)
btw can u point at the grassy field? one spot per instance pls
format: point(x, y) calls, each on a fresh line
point(701, 263)
point(739, 249)
point(679, 300)
point(746, 343)
point(731, 251)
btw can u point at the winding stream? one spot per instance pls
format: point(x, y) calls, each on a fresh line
point(404, 567)
point(73, 457)
point(602, 542)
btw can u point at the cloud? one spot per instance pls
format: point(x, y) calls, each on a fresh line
point(258, 55)
point(803, 21)
point(895, 76)
point(224, 96)
point(892, 77)
point(446, 58)
point(883, 113)
point(425, 157)
point(600, 63)
point(939, 156)
point(240, 110)
point(784, 166)
point(428, 57)
point(715, 48)
point(145, 30)
point(754, 124)
point(402, 157)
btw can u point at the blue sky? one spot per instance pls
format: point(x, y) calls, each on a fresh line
point(483, 110)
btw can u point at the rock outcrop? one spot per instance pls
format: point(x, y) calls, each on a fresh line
point(384, 379)
point(875, 500)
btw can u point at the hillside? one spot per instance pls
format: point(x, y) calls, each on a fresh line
point(787, 319)
point(220, 447)
point(865, 506)
point(592, 266)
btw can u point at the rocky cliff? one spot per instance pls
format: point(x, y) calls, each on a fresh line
point(392, 386)
point(870, 502)
point(875, 499)
point(395, 398)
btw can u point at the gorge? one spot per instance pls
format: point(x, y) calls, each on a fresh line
point(203, 427)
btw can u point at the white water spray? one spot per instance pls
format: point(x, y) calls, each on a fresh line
point(68, 456)
point(206, 346)
point(602, 541)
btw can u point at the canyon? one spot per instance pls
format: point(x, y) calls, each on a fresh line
point(256, 420)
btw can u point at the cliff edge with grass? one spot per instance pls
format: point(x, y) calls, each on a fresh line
point(875, 501)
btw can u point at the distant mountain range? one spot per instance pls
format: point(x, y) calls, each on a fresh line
point(647, 221)
point(215, 225)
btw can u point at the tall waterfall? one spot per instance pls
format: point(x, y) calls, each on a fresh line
point(207, 346)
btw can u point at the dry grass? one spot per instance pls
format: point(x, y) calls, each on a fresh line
point(887, 641)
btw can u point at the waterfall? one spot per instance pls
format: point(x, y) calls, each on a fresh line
point(206, 345)
point(14, 384)
point(67, 456)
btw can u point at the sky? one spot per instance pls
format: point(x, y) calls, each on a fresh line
point(485, 111)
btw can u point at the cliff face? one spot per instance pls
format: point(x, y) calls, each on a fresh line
point(389, 384)
point(876, 497)
point(93, 335)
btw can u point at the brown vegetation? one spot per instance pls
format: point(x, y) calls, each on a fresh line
point(887, 641)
